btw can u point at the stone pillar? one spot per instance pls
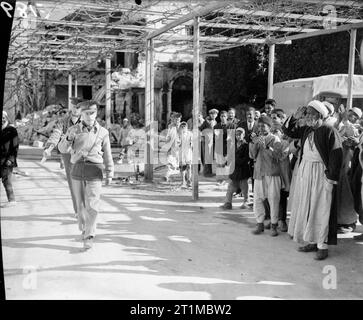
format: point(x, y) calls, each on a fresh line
point(141, 102)
point(168, 109)
point(160, 107)
point(128, 99)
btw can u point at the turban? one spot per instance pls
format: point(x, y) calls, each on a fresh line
point(320, 107)
point(266, 120)
point(329, 106)
point(357, 111)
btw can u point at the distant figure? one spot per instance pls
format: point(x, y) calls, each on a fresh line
point(270, 104)
point(186, 154)
point(9, 143)
point(125, 140)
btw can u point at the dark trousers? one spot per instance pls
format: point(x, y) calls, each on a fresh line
point(6, 176)
point(282, 207)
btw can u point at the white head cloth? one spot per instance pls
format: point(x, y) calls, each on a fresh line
point(357, 111)
point(320, 107)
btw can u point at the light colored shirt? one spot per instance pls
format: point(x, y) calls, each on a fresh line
point(91, 145)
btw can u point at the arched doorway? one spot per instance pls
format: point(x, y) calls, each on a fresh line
point(181, 93)
point(182, 96)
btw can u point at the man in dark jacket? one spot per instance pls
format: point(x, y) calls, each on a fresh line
point(9, 150)
point(207, 130)
point(240, 175)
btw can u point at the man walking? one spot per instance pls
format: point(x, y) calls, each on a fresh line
point(9, 144)
point(89, 146)
point(60, 129)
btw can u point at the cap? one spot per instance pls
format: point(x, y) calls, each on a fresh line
point(76, 100)
point(214, 111)
point(89, 105)
point(183, 123)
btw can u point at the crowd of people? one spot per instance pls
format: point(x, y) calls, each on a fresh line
point(309, 163)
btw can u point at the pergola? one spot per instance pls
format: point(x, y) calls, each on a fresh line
point(68, 35)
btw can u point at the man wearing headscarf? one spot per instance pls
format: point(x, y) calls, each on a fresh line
point(320, 162)
point(9, 144)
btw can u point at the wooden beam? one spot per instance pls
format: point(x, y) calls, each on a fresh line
point(81, 35)
point(108, 93)
point(196, 97)
point(153, 124)
point(332, 2)
point(216, 39)
point(202, 78)
point(148, 165)
point(84, 24)
point(287, 15)
point(203, 11)
point(61, 51)
point(75, 86)
point(345, 27)
point(271, 65)
point(75, 44)
point(353, 38)
point(69, 90)
point(255, 27)
point(240, 45)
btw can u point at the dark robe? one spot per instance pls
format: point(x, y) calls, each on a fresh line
point(9, 144)
point(241, 164)
point(329, 146)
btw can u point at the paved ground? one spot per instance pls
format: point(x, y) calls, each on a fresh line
point(154, 242)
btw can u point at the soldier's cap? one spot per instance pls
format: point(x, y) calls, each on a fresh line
point(183, 123)
point(76, 100)
point(88, 105)
point(214, 111)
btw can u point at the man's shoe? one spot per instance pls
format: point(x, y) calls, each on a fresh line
point(259, 229)
point(244, 205)
point(274, 230)
point(308, 248)
point(226, 206)
point(88, 243)
point(283, 226)
point(321, 254)
point(267, 224)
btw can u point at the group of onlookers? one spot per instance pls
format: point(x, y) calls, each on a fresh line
point(309, 162)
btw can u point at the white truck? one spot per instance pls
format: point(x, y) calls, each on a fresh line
point(291, 94)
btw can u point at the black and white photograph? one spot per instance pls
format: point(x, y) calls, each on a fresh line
point(199, 152)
